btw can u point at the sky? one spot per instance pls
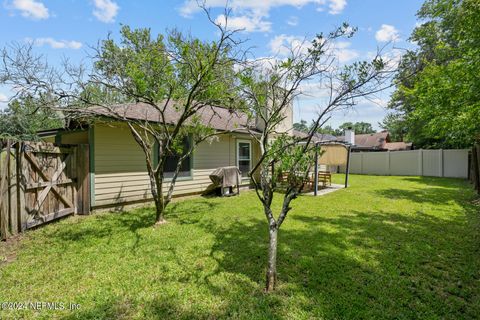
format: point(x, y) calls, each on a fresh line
point(69, 28)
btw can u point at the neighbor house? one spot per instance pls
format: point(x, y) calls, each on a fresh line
point(118, 173)
point(378, 141)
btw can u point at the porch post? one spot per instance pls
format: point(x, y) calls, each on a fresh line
point(315, 190)
point(347, 169)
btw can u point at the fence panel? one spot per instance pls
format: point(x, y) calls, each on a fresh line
point(40, 182)
point(404, 163)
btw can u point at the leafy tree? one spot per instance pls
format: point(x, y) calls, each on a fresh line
point(166, 72)
point(302, 126)
point(358, 127)
point(395, 125)
point(329, 130)
point(23, 118)
point(437, 96)
point(269, 92)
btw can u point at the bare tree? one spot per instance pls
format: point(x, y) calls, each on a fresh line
point(174, 82)
point(269, 87)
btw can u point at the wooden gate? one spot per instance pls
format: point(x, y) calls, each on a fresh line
point(41, 182)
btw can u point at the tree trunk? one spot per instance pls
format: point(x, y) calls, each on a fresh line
point(272, 260)
point(159, 204)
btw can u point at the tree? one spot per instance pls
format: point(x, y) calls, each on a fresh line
point(395, 125)
point(23, 118)
point(172, 73)
point(302, 126)
point(437, 89)
point(328, 130)
point(269, 91)
point(358, 127)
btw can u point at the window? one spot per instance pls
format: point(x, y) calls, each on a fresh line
point(172, 160)
point(244, 157)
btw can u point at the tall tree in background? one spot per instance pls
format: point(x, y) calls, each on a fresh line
point(395, 125)
point(437, 96)
point(358, 127)
point(23, 118)
point(301, 126)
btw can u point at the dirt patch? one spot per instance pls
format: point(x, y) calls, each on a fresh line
point(8, 249)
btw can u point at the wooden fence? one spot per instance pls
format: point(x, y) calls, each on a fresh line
point(40, 182)
point(474, 161)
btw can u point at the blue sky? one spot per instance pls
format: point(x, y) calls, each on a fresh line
point(67, 28)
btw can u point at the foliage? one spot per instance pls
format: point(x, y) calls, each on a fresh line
point(437, 89)
point(385, 248)
point(395, 125)
point(358, 127)
point(301, 126)
point(22, 119)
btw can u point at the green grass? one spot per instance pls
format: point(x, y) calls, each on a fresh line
point(388, 247)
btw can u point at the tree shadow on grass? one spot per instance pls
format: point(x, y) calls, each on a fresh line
point(429, 190)
point(363, 264)
point(373, 265)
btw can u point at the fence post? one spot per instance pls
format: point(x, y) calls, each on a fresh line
point(21, 171)
point(83, 179)
point(440, 159)
point(388, 163)
point(361, 162)
point(4, 196)
point(420, 162)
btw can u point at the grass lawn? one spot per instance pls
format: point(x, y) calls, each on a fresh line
point(388, 247)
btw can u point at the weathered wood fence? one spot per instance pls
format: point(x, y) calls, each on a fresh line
point(474, 161)
point(40, 182)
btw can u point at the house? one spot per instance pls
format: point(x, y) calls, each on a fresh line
point(379, 141)
point(398, 146)
point(118, 173)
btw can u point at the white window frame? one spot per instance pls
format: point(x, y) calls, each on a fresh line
point(249, 151)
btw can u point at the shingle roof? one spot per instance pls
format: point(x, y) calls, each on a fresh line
point(217, 117)
point(372, 140)
point(395, 146)
point(317, 137)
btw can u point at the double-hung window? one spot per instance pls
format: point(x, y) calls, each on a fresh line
point(172, 161)
point(244, 157)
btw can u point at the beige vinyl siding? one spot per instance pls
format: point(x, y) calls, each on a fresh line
point(76, 137)
point(120, 170)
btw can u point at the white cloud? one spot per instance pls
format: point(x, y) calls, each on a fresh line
point(31, 9)
point(387, 33)
point(105, 10)
point(3, 100)
point(258, 10)
point(292, 21)
point(282, 45)
point(57, 44)
point(343, 51)
point(246, 23)
point(337, 6)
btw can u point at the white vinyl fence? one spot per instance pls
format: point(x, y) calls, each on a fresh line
point(434, 163)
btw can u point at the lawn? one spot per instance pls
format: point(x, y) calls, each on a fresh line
point(388, 247)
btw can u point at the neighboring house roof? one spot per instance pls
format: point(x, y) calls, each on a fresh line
point(397, 146)
point(219, 118)
point(375, 141)
point(317, 137)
